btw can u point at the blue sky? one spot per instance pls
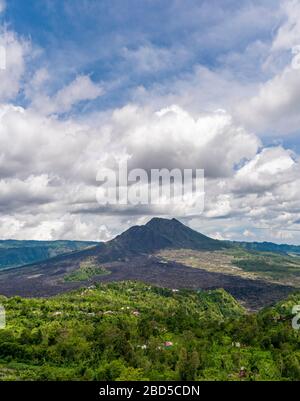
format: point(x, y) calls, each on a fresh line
point(202, 84)
point(96, 37)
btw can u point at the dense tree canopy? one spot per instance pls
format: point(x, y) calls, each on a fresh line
point(131, 331)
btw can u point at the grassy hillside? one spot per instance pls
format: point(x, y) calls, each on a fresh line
point(131, 331)
point(18, 253)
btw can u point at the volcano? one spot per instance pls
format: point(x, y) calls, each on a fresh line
point(136, 254)
point(156, 235)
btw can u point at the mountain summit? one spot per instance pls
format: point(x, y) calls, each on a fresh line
point(181, 236)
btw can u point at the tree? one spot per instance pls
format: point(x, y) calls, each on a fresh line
point(188, 364)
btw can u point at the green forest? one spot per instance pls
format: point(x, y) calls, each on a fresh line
point(132, 331)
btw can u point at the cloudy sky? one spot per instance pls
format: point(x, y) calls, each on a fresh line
point(210, 84)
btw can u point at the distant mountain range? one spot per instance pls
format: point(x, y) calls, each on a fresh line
point(15, 253)
point(268, 247)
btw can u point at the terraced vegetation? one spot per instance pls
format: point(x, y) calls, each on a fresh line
point(133, 331)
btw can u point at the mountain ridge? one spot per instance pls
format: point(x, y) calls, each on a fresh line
point(18, 253)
